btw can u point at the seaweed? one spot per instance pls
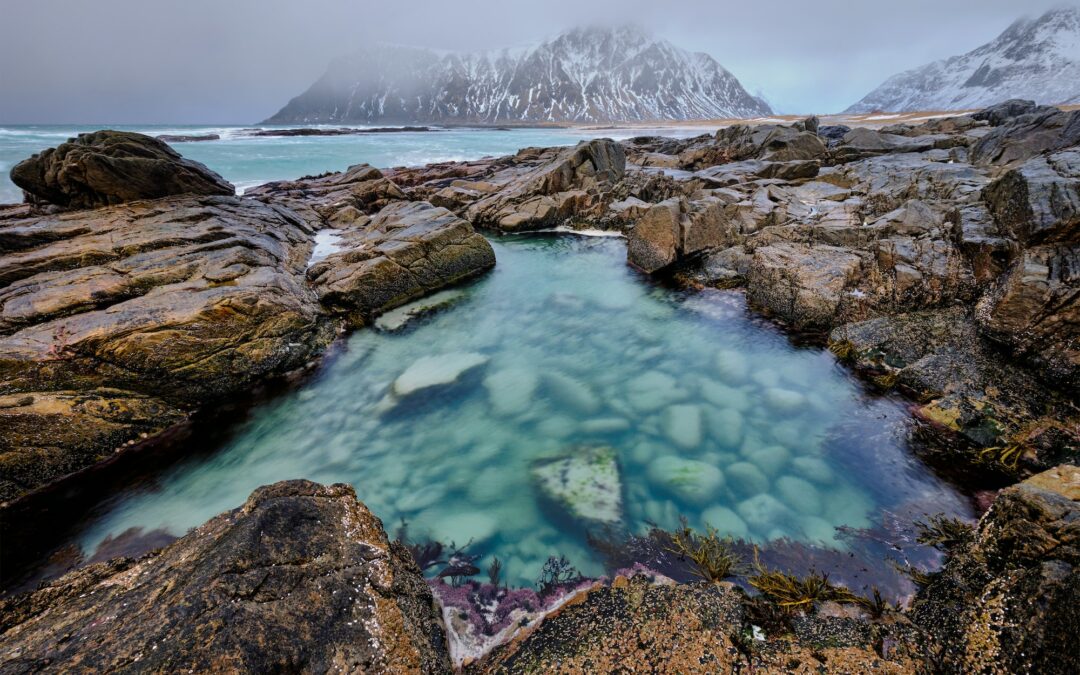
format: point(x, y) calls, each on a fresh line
point(944, 533)
point(556, 573)
point(712, 556)
point(791, 592)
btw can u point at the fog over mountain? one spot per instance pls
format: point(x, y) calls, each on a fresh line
point(585, 75)
point(206, 61)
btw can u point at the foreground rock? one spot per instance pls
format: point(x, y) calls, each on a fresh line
point(118, 322)
point(634, 625)
point(112, 167)
point(301, 578)
point(1008, 599)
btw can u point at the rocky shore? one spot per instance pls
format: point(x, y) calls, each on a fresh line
point(939, 260)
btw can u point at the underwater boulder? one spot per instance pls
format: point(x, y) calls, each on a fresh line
point(585, 482)
point(436, 371)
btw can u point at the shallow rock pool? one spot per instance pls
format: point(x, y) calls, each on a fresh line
point(562, 394)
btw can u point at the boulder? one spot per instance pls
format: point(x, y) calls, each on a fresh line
point(677, 228)
point(1034, 309)
point(1039, 200)
point(1008, 599)
point(430, 372)
point(1005, 111)
point(585, 483)
point(102, 168)
point(544, 188)
point(862, 142)
point(301, 578)
point(107, 316)
point(406, 250)
point(806, 286)
point(1043, 130)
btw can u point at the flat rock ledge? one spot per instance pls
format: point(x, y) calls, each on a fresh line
point(301, 578)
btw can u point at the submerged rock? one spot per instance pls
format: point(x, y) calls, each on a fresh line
point(299, 578)
point(511, 390)
point(436, 371)
point(585, 482)
point(103, 168)
point(691, 481)
point(399, 318)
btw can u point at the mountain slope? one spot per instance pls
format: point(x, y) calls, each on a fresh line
point(1035, 59)
point(585, 75)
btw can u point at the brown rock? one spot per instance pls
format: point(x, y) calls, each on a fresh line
point(301, 578)
point(806, 286)
point(1008, 600)
point(112, 167)
point(181, 300)
point(408, 249)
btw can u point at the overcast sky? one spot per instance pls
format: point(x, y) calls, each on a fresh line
point(238, 61)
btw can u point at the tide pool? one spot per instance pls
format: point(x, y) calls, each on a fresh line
point(563, 393)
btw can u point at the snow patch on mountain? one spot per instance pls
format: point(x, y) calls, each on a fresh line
point(1036, 59)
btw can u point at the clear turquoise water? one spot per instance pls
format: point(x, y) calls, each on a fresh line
point(247, 161)
point(712, 414)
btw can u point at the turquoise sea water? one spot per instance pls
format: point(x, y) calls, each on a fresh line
point(709, 412)
point(247, 161)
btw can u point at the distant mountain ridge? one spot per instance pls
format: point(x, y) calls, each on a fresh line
point(588, 75)
point(1036, 59)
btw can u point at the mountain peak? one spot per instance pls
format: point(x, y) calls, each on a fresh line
point(587, 74)
point(1034, 58)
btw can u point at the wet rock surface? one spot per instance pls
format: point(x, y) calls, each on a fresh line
point(117, 322)
point(112, 167)
point(1008, 599)
point(301, 578)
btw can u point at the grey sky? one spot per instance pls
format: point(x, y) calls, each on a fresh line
point(238, 61)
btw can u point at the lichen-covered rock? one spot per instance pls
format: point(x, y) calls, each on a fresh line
point(1008, 600)
point(111, 167)
point(585, 482)
point(634, 625)
point(301, 578)
point(406, 250)
point(162, 304)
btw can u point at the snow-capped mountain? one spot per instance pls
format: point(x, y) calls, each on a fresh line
point(1036, 59)
point(585, 75)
